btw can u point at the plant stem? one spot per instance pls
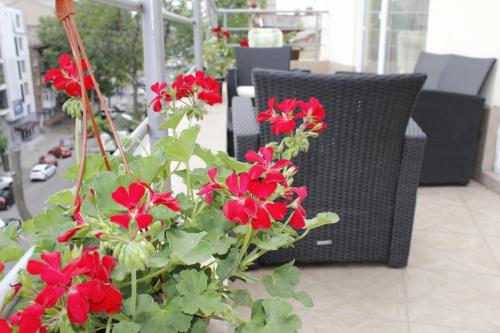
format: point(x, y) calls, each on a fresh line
point(188, 181)
point(134, 294)
point(78, 125)
point(244, 248)
point(108, 324)
point(149, 276)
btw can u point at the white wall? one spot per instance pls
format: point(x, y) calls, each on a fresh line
point(470, 28)
point(340, 27)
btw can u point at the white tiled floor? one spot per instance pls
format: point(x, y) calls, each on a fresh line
point(451, 284)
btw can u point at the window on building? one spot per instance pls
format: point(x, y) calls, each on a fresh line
point(20, 42)
point(17, 47)
point(22, 92)
point(19, 70)
point(23, 66)
point(18, 20)
point(26, 88)
point(2, 77)
point(4, 104)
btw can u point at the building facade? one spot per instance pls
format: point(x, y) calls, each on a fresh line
point(17, 94)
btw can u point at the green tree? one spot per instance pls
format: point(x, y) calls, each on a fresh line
point(113, 41)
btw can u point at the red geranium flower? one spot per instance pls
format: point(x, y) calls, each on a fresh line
point(282, 122)
point(244, 42)
point(211, 186)
point(130, 199)
point(161, 94)
point(4, 326)
point(66, 77)
point(313, 114)
point(2, 267)
point(28, 320)
point(297, 220)
point(251, 201)
point(166, 199)
point(264, 164)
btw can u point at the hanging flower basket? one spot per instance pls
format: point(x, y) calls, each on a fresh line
point(119, 252)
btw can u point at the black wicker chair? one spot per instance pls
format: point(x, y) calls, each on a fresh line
point(248, 58)
point(449, 111)
point(364, 167)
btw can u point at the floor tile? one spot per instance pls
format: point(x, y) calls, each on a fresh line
point(319, 322)
point(468, 301)
point(432, 216)
point(453, 252)
point(494, 245)
point(422, 328)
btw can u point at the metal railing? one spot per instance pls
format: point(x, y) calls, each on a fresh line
point(215, 13)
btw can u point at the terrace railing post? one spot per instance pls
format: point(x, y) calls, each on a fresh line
point(154, 60)
point(198, 35)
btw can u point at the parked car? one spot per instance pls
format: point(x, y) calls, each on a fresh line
point(107, 142)
point(48, 159)
point(6, 197)
point(42, 172)
point(68, 143)
point(6, 181)
point(112, 111)
point(60, 152)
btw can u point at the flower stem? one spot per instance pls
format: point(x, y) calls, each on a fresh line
point(78, 125)
point(108, 324)
point(244, 248)
point(133, 297)
point(188, 181)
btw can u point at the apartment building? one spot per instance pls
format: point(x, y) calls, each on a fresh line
point(17, 95)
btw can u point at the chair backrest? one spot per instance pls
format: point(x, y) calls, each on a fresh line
point(353, 166)
point(265, 37)
point(454, 73)
point(248, 58)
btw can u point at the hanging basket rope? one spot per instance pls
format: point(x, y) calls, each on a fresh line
point(65, 11)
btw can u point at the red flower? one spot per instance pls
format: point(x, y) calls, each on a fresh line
point(211, 186)
point(2, 267)
point(217, 29)
point(66, 77)
point(29, 320)
point(251, 201)
point(76, 214)
point(166, 199)
point(130, 199)
point(244, 42)
point(226, 34)
point(161, 94)
point(4, 326)
point(297, 220)
point(264, 165)
point(210, 92)
point(313, 114)
point(95, 295)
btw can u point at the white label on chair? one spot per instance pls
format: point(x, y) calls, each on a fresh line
point(324, 242)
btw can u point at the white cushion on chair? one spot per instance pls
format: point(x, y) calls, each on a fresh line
point(245, 91)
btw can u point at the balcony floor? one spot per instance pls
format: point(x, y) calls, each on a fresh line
point(451, 284)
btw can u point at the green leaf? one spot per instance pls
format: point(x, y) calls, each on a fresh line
point(146, 168)
point(225, 265)
point(188, 248)
point(272, 315)
point(62, 198)
point(126, 327)
point(104, 185)
point(11, 253)
point(241, 297)
point(272, 241)
point(94, 164)
point(232, 163)
point(49, 225)
point(173, 120)
point(282, 281)
point(304, 298)
point(217, 228)
point(205, 154)
point(199, 326)
point(155, 319)
point(192, 286)
point(159, 259)
point(182, 148)
point(322, 219)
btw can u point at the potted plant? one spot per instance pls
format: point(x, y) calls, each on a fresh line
point(217, 54)
point(119, 252)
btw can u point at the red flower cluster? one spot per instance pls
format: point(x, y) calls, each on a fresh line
point(66, 77)
point(284, 121)
point(244, 42)
point(137, 208)
point(85, 282)
point(2, 267)
point(203, 87)
point(253, 194)
point(219, 33)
